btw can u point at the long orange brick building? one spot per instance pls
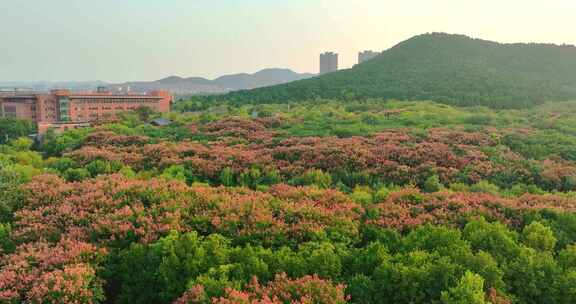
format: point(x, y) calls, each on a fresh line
point(63, 109)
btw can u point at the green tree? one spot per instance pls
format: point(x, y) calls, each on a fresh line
point(445, 241)
point(362, 195)
point(98, 167)
point(539, 237)
point(6, 243)
point(361, 289)
point(485, 187)
point(322, 259)
point(365, 260)
point(11, 196)
point(175, 172)
point(55, 144)
point(315, 177)
point(144, 113)
point(271, 177)
point(227, 177)
point(470, 290)
point(567, 288)
point(21, 143)
point(533, 277)
point(494, 238)
point(12, 128)
point(61, 164)
point(250, 178)
point(76, 174)
point(432, 184)
point(567, 257)
point(162, 271)
point(415, 277)
point(127, 171)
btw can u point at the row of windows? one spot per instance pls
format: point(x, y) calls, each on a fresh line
point(8, 115)
point(95, 116)
point(112, 100)
point(106, 108)
point(10, 109)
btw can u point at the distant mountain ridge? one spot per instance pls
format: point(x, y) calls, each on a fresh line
point(49, 85)
point(448, 68)
point(175, 84)
point(198, 85)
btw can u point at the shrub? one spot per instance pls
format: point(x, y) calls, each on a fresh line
point(432, 184)
point(485, 187)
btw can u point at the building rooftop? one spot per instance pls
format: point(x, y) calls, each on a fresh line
point(161, 122)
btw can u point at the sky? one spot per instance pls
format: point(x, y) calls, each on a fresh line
point(127, 40)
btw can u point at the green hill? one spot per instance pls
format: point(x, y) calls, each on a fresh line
point(453, 69)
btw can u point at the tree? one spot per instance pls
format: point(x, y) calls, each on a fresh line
point(446, 241)
point(362, 195)
point(415, 277)
point(21, 143)
point(6, 243)
point(533, 276)
point(322, 259)
point(98, 167)
point(432, 184)
point(567, 257)
point(160, 272)
point(315, 177)
point(485, 187)
point(227, 177)
point(271, 177)
point(61, 164)
point(11, 197)
point(76, 174)
point(55, 144)
point(470, 290)
point(361, 289)
point(144, 113)
point(567, 288)
point(12, 128)
point(250, 178)
point(175, 172)
point(539, 237)
point(494, 238)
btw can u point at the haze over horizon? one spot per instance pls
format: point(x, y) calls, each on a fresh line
point(147, 40)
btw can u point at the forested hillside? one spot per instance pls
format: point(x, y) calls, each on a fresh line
point(453, 69)
point(340, 202)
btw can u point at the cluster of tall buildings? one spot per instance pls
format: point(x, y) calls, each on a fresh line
point(329, 60)
point(63, 109)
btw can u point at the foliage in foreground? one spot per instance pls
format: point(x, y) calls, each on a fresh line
point(331, 204)
point(135, 241)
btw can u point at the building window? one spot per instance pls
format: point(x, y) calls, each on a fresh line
point(10, 111)
point(64, 106)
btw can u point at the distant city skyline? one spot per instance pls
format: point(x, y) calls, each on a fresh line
point(117, 41)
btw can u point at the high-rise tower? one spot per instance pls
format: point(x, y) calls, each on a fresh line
point(328, 62)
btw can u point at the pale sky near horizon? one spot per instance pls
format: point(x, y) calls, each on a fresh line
point(124, 40)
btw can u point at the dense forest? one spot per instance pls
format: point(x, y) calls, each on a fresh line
point(453, 69)
point(366, 201)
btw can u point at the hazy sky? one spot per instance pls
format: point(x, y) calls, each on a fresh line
point(119, 40)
